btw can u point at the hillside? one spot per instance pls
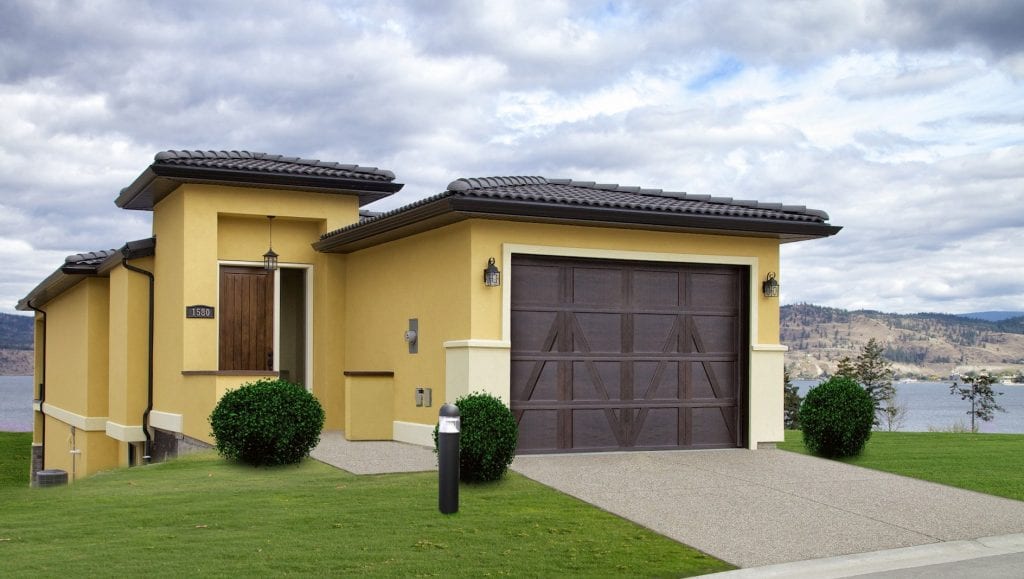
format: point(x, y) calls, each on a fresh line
point(15, 345)
point(16, 362)
point(15, 332)
point(919, 345)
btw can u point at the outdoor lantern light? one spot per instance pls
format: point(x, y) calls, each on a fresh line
point(270, 258)
point(770, 287)
point(492, 277)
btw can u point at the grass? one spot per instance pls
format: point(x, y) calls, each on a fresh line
point(987, 463)
point(201, 516)
point(15, 458)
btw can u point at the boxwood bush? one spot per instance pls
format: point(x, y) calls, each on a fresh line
point(836, 418)
point(267, 422)
point(488, 439)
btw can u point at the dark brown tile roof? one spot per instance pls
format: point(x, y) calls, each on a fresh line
point(267, 163)
point(567, 191)
point(247, 169)
point(86, 263)
point(585, 201)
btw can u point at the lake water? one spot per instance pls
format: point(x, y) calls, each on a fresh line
point(16, 403)
point(930, 405)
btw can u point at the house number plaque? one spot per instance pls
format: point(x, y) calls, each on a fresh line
point(199, 312)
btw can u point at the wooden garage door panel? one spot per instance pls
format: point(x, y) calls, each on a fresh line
point(656, 289)
point(538, 430)
point(658, 380)
point(627, 355)
point(597, 287)
point(596, 332)
point(596, 381)
point(655, 333)
point(537, 284)
point(536, 331)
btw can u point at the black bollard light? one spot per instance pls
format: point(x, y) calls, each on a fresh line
point(448, 427)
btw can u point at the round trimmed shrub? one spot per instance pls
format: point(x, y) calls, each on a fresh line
point(487, 443)
point(267, 422)
point(836, 418)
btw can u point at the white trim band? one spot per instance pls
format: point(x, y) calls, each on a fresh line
point(125, 433)
point(88, 423)
point(768, 348)
point(413, 433)
point(167, 421)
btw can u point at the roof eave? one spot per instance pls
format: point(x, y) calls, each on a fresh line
point(157, 181)
point(456, 208)
point(395, 226)
point(55, 284)
point(720, 224)
point(65, 277)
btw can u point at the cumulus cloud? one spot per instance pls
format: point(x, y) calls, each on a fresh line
point(901, 119)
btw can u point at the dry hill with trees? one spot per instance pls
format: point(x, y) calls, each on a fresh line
point(919, 345)
point(15, 345)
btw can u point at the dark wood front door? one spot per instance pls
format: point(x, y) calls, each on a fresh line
point(246, 318)
point(612, 355)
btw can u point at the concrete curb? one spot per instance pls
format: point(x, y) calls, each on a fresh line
point(888, 560)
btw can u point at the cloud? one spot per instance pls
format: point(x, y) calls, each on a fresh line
point(901, 119)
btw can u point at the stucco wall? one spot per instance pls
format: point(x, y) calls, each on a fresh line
point(76, 380)
point(200, 227)
point(426, 277)
point(128, 351)
point(464, 334)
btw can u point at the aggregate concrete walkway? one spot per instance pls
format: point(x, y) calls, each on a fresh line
point(371, 456)
point(755, 508)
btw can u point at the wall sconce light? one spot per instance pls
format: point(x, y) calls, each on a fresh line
point(770, 287)
point(270, 258)
point(492, 277)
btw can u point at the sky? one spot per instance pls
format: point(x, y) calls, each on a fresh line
point(903, 120)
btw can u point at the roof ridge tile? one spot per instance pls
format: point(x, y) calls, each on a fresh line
point(470, 184)
point(262, 161)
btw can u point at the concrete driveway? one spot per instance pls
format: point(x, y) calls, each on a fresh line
point(754, 508)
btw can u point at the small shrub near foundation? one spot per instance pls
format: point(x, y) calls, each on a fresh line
point(268, 422)
point(489, 434)
point(836, 418)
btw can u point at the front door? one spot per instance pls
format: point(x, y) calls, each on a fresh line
point(246, 318)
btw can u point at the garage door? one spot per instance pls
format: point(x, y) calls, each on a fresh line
point(613, 355)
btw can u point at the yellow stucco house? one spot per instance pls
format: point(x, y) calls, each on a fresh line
point(613, 318)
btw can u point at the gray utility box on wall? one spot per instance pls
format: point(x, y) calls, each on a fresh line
point(424, 396)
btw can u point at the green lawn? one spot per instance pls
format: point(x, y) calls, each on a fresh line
point(201, 516)
point(15, 457)
point(987, 463)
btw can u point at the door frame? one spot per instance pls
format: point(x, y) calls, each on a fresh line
point(309, 272)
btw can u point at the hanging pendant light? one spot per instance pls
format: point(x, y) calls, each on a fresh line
point(270, 257)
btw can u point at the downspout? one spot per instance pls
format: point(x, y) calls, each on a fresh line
point(147, 454)
point(42, 390)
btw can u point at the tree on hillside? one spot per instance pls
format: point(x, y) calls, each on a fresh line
point(981, 395)
point(875, 374)
point(846, 368)
point(791, 403)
